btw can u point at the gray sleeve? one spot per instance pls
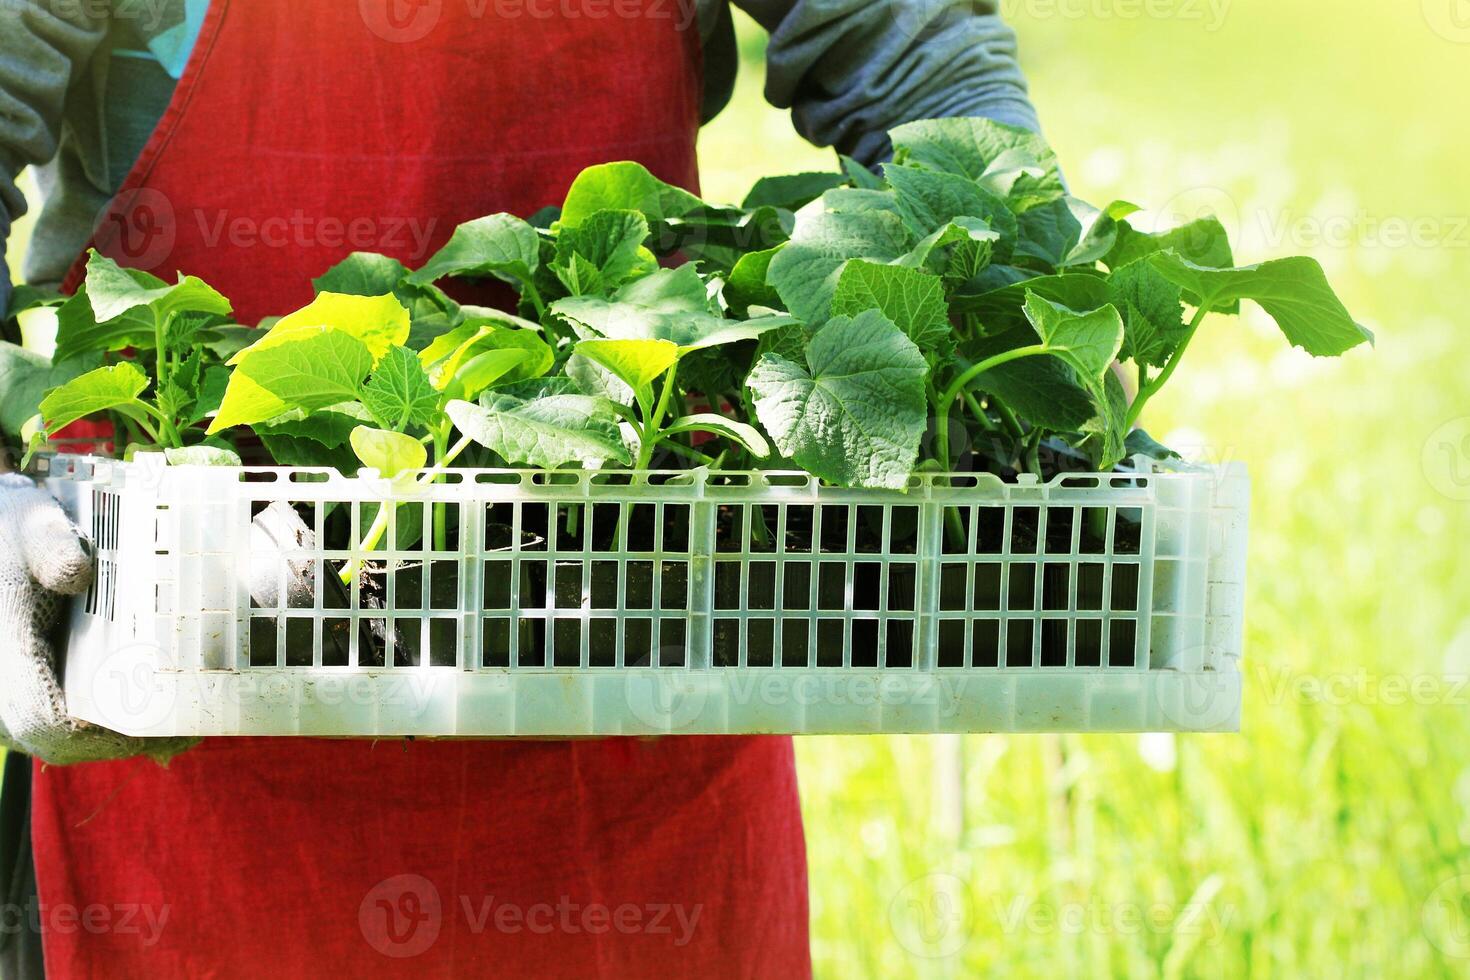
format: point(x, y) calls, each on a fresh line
point(43, 49)
point(852, 69)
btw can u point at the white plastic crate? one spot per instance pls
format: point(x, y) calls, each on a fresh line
point(588, 604)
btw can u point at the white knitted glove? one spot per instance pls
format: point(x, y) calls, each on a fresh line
point(41, 559)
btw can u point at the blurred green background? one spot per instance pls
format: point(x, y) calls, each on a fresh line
point(1329, 838)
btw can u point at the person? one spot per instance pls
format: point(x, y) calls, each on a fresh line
point(247, 143)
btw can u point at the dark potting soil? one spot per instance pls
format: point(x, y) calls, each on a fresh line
point(1041, 586)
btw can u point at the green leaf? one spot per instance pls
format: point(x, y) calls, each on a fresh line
point(399, 392)
point(26, 377)
point(739, 432)
point(78, 331)
point(499, 245)
point(99, 390)
point(805, 272)
point(1069, 231)
point(546, 431)
point(290, 450)
point(637, 363)
point(177, 394)
point(855, 412)
point(390, 453)
point(227, 340)
point(1153, 326)
point(788, 341)
point(377, 322)
point(24, 296)
point(860, 200)
point(929, 200)
point(913, 300)
point(1021, 180)
point(32, 439)
point(746, 285)
point(1105, 437)
point(203, 455)
point(791, 191)
point(689, 331)
point(858, 174)
point(1140, 443)
point(362, 274)
point(430, 311)
point(624, 186)
point(1042, 390)
point(1088, 341)
point(602, 252)
point(213, 381)
point(444, 358)
point(957, 252)
point(489, 367)
point(717, 237)
point(312, 368)
point(537, 388)
point(972, 146)
point(714, 371)
point(1002, 309)
point(1294, 291)
point(592, 378)
point(669, 305)
point(113, 291)
point(1203, 241)
point(329, 428)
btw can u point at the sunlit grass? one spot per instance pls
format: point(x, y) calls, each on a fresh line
point(1313, 843)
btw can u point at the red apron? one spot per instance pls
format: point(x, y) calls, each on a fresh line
point(302, 130)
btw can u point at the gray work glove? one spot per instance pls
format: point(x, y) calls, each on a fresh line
point(42, 558)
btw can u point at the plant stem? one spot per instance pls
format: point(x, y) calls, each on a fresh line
point(380, 523)
point(650, 436)
point(129, 428)
point(167, 435)
point(1033, 448)
point(946, 400)
point(975, 370)
point(441, 444)
point(1147, 391)
point(160, 352)
point(954, 529)
point(534, 295)
point(760, 534)
point(688, 453)
point(141, 419)
point(1009, 419)
point(981, 416)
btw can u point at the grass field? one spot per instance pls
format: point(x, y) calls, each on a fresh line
point(1330, 838)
